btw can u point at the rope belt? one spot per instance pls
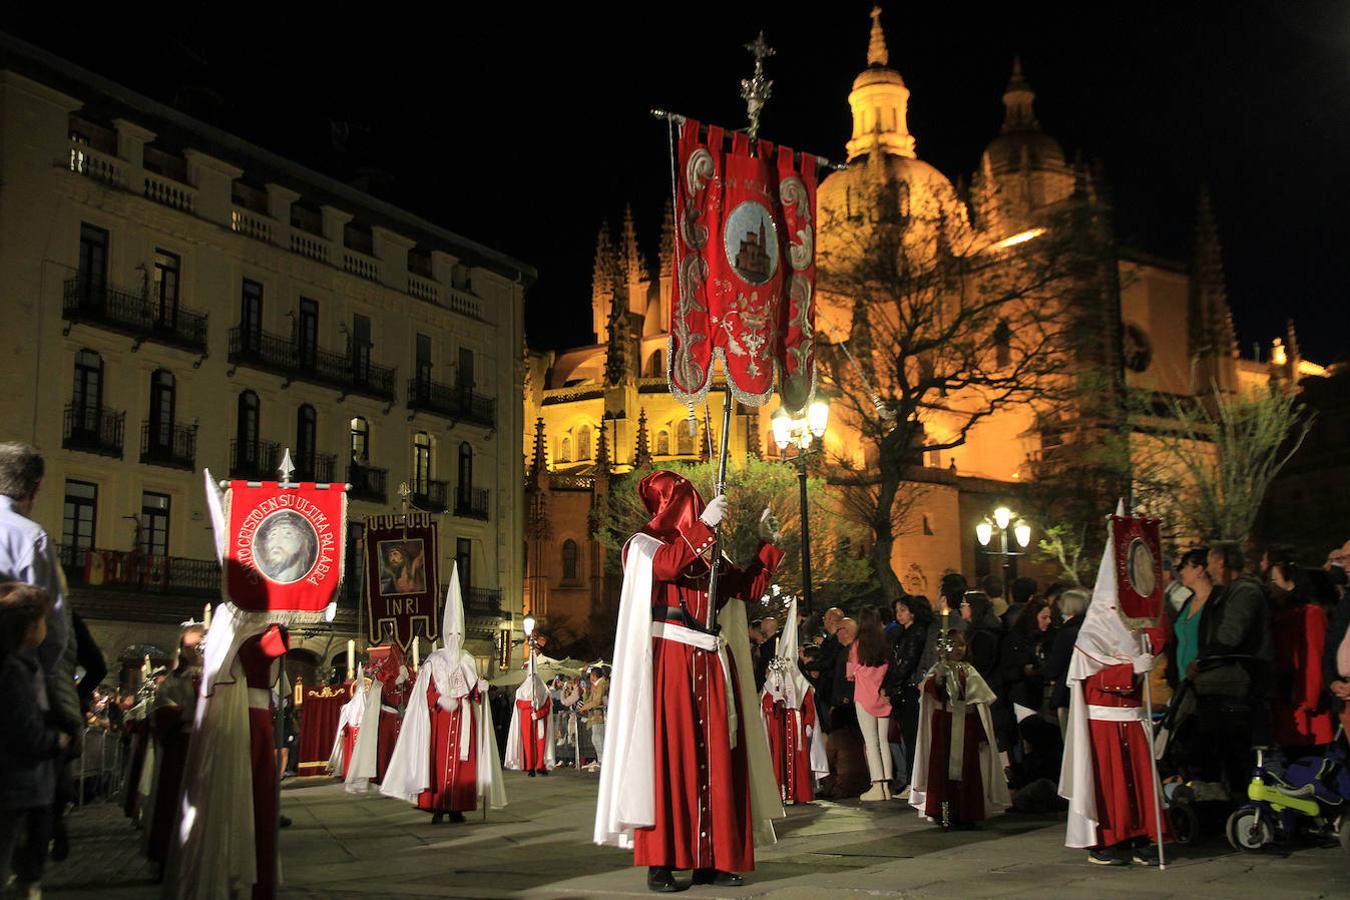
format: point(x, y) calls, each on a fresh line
point(712, 643)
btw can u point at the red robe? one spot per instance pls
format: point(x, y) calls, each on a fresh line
point(171, 727)
point(1120, 759)
point(256, 655)
point(965, 798)
point(393, 697)
point(790, 748)
point(454, 781)
point(702, 788)
point(533, 749)
point(349, 733)
point(1301, 716)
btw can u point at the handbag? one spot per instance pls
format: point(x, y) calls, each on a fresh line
point(1222, 679)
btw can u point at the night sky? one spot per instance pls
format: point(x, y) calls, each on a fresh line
point(523, 128)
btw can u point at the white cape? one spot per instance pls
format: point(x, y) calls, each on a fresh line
point(627, 799)
point(365, 756)
point(785, 682)
point(353, 714)
point(409, 772)
point(995, 783)
point(536, 692)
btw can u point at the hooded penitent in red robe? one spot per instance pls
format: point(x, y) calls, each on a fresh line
point(687, 779)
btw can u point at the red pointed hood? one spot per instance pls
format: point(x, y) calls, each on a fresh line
point(673, 503)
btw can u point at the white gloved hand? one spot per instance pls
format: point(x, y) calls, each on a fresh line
point(1143, 663)
point(769, 529)
point(714, 511)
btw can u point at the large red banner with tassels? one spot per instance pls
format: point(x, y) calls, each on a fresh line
point(744, 279)
point(1138, 566)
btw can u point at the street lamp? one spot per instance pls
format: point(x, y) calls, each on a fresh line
point(1004, 521)
point(798, 431)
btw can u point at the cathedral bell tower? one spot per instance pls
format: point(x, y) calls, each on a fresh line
point(880, 102)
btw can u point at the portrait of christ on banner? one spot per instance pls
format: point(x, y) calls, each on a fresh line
point(403, 567)
point(285, 547)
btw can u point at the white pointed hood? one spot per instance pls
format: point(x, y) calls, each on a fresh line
point(785, 679)
point(452, 617)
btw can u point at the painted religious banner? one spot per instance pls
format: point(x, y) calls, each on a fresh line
point(284, 547)
point(1138, 566)
point(402, 590)
point(745, 268)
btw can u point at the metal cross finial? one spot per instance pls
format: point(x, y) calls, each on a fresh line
point(757, 89)
point(287, 468)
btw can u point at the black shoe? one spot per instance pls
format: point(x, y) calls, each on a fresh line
point(60, 842)
point(1106, 856)
point(661, 880)
point(456, 816)
point(1147, 855)
point(717, 877)
point(437, 818)
point(532, 773)
point(285, 821)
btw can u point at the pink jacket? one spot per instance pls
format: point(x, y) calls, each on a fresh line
point(867, 684)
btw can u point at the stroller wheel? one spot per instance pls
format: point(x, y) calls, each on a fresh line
point(1185, 823)
point(1249, 830)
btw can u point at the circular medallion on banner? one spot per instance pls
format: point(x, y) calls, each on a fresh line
point(285, 547)
point(1140, 568)
point(750, 241)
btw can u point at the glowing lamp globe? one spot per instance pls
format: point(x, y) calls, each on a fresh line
point(983, 532)
point(1002, 516)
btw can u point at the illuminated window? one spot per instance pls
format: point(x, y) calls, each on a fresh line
point(663, 443)
point(569, 560)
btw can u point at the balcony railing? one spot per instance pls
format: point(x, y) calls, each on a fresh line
point(452, 401)
point(173, 446)
point(484, 601)
point(318, 467)
point(471, 503)
point(254, 460)
point(350, 373)
point(133, 570)
point(94, 300)
point(367, 483)
point(94, 430)
point(430, 495)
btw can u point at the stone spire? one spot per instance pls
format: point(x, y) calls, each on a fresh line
point(602, 273)
point(539, 462)
point(642, 453)
point(1018, 99)
point(879, 102)
point(1212, 338)
point(877, 54)
point(631, 259)
point(617, 354)
point(668, 238)
point(602, 449)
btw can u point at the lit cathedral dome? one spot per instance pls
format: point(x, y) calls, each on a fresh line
point(1022, 144)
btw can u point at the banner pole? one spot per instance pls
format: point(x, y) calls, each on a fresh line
point(718, 487)
point(279, 739)
point(1153, 759)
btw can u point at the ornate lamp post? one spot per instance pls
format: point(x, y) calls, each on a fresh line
point(798, 432)
point(1004, 521)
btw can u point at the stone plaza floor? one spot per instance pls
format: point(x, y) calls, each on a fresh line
point(344, 848)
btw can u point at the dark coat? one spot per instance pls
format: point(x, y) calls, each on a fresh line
point(907, 652)
point(28, 745)
point(1057, 661)
point(1016, 653)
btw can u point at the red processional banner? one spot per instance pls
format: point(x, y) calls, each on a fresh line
point(745, 269)
point(1138, 566)
point(403, 594)
point(284, 552)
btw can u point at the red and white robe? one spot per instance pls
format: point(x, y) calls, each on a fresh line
point(454, 756)
point(792, 735)
point(530, 744)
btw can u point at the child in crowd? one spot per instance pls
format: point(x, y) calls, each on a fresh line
point(29, 746)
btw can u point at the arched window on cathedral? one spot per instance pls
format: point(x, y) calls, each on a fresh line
point(565, 450)
point(656, 365)
point(583, 442)
point(569, 560)
point(663, 443)
point(1002, 343)
point(684, 439)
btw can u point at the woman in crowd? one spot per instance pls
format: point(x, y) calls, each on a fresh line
point(913, 617)
point(1022, 660)
point(1073, 603)
point(868, 661)
point(1187, 637)
point(984, 634)
point(1301, 713)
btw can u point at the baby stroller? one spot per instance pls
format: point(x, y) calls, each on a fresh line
point(1194, 805)
point(1311, 799)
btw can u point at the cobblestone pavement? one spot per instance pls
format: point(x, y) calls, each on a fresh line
point(344, 848)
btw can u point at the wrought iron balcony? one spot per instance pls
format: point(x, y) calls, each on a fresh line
point(94, 430)
point(484, 601)
point(254, 460)
point(456, 402)
point(133, 570)
point(431, 495)
point(318, 467)
point(367, 483)
point(96, 301)
point(173, 446)
point(351, 373)
point(471, 503)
